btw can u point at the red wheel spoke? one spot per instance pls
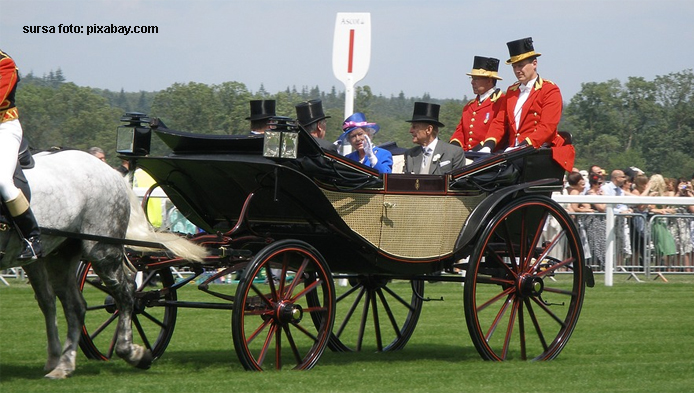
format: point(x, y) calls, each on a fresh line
point(556, 266)
point(299, 273)
point(534, 241)
point(521, 332)
point(536, 324)
point(307, 289)
point(267, 344)
point(292, 344)
point(505, 294)
point(259, 330)
point(548, 311)
point(497, 319)
point(560, 291)
point(262, 296)
point(493, 280)
point(509, 329)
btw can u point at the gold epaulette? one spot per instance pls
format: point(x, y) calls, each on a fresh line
point(514, 86)
point(495, 96)
point(8, 114)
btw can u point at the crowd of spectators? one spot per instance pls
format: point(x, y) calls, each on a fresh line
point(667, 232)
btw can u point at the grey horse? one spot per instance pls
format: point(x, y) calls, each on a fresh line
point(74, 191)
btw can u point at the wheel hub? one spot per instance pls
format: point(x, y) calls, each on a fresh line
point(289, 313)
point(531, 286)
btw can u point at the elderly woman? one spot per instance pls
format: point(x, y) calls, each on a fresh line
point(358, 132)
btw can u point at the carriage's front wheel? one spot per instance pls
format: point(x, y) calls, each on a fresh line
point(272, 322)
point(153, 326)
point(525, 282)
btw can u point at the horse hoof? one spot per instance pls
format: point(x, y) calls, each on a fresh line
point(57, 374)
point(146, 362)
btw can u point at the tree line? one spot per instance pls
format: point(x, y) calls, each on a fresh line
point(648, 124)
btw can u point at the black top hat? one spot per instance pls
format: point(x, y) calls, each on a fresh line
point(487, 67)
point(310, 112)
point(261, 109)
point(521, 49)
point(426, 113)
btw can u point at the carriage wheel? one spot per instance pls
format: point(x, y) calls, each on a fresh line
point(374, 309)
point(525, 282)
point(152, 326)
point(272, 322)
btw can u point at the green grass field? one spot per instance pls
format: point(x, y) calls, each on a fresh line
point(632, 337)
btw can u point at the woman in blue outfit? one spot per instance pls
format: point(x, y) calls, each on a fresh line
point(358, 132)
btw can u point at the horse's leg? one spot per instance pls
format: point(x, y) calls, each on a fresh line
point(44, 295)
point(64, 282)
point(121, 283)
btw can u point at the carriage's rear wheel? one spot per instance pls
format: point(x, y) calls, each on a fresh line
point(375, 313)
point(525, 282)
point(272, 322)
point(152, 326)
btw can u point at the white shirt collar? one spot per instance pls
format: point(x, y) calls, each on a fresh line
point(432, 145)
point(530, 84)
point(487, 94)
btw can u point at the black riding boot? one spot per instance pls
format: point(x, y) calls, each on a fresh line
point(28, 227)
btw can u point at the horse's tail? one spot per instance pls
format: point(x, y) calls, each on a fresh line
point(140, 229)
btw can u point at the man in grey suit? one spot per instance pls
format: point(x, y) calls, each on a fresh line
point(433, 156)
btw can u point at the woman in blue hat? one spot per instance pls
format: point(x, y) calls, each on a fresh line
point(358, 132)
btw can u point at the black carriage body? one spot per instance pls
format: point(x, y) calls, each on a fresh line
point(360, 221)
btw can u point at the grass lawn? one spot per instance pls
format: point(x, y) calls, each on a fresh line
point(631, 337)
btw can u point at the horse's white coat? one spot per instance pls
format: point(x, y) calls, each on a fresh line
point(76, 192)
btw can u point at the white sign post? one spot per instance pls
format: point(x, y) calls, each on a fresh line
point(351, 52)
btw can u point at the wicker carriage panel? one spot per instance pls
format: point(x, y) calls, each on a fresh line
point(424, 226)
point(407, 226)
point(362, 212)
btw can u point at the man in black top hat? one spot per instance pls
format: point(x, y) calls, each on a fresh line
point(433, 156)
point(311, 117)
point(261, 112)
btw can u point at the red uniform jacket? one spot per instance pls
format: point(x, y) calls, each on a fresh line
point(8, 87)
point(476, 119)
point(538, 122)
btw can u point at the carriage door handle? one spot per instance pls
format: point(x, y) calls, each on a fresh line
point(389, 205)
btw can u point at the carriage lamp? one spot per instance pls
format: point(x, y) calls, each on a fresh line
point(134, 138)
point(281, 138)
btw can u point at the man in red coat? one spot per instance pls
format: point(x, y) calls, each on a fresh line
point(478, 114)
point(533, 108)
point(11, 134)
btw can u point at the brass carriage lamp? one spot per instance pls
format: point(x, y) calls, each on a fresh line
point(281, 138)
point(134, 138)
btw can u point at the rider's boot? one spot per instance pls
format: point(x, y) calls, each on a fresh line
point(28, 227)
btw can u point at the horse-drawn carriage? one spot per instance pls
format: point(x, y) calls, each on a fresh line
point(286, 219)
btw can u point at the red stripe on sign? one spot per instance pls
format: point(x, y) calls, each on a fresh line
point(351, 51)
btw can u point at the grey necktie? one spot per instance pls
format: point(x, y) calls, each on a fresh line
point(426, 161)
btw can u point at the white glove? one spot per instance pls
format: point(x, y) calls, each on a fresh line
point(485, 149)
point(369, 151)
point(511, 148)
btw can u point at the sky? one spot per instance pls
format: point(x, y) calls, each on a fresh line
point(417, 46)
